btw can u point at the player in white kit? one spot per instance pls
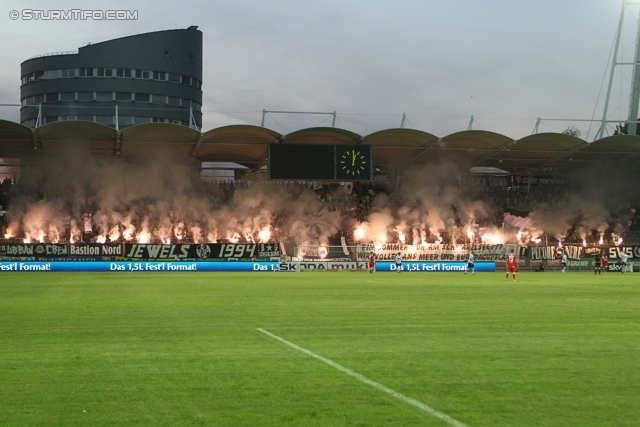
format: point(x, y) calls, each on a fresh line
point(471, 264)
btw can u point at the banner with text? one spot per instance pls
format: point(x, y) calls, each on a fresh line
point(37, 249)
point(96, 249)
point(140, 266)
point(577, 252)
point(436, 267)
point(442, 252)
point(504, 181)
point(543, 253)
point(615, 252)
point(322, 265)
point(202, 251)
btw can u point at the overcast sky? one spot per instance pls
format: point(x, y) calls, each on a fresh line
point(506, 62)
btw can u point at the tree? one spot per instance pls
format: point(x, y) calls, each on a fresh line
point(573, 131)
point(623, 129)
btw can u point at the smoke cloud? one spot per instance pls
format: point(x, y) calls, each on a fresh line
point(160, 199)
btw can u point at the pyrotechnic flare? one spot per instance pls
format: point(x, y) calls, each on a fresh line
point(427, 203)
point(265, 235)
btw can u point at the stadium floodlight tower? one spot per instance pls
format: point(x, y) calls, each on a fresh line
point(634, 98)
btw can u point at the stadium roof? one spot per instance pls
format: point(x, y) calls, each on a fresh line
point(248, 145)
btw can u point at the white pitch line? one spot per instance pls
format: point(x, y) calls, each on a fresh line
point(426, 408)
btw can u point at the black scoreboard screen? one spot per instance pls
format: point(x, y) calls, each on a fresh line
point(320, 162)
point(301, 161)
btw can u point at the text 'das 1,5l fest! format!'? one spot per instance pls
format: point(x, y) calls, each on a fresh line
point(138, 266)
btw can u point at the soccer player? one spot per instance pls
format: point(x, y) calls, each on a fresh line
point(512, 264)
point(564, 263)
point(372, 263)
point(597, 264)
point(399, 262)
point(470, 264)
point(624, 260)
point(605, 263)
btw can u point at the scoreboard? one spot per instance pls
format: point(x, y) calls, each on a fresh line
point(320, 162)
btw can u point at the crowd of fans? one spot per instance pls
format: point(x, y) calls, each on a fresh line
point(354, 202)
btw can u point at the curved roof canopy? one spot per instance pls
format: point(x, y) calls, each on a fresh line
point(15, 140)
point(399, 145)
point(248, 145)
point(242, 144)
point(322, 135)
point(81, 135)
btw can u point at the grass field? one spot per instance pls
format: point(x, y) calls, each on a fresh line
point(183, 349)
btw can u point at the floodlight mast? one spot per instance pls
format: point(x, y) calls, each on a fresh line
point(635, 87)
point(632, 120)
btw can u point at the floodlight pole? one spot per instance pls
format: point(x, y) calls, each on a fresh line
point(192, 120)
point(537, 126)
point(39, 119)
point(614, 64)
point(117, 121)
point(635, 87)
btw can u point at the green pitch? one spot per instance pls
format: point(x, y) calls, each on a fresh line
point(183, 349)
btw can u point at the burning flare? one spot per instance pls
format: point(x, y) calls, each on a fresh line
point(264, 235)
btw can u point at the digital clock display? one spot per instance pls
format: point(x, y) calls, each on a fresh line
point(353, 162)
point(320, 162)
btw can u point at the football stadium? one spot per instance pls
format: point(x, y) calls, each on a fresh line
point(157, 273)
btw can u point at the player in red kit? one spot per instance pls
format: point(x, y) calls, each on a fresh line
point(372, 263)
point(512, 264)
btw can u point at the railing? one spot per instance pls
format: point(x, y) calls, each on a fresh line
point(192, 119)
point(73, 52)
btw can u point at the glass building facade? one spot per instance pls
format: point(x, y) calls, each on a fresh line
point(151, 77)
